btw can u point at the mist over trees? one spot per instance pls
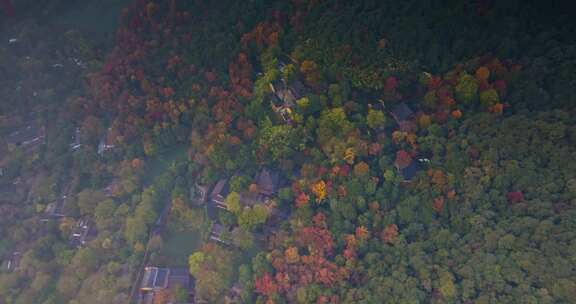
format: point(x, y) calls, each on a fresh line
point(290, 152)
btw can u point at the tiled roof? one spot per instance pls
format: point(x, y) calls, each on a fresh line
point(179, 276)
point(219, 189)
point(409, 172)
point(267, 182)
point(401, 112)
point(288, 94)
point(155, 278)
point(25, 135)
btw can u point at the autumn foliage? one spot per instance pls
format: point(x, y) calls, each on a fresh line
point(403, 159)
point(266, 285)
point(264, 34)
point(514, 197)
point(302, 199)
point(361, 169)
point(390, 233)
point(438, 204)
point(240, 73)
point(293, 269)
point(319, 190)
point(484, 81)
point(362, 233)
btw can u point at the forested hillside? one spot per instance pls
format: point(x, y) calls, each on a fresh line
point(304, 151)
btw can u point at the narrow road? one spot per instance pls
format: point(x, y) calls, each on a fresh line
point(154, 231)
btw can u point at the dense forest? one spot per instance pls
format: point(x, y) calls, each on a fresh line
point(303, 151)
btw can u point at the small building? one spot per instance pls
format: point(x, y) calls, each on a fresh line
point(110, 188)
point(284, 60)
point(105, 144)
point(199, 194)
point(212, 212)
point(13, 262)
point(267, 182)
point(3, 166)
point(56, 208)
point(156, 280)
point(219, 193)
point(277, 216)
point(82, 233)
point(288, 94)
point(234, 295)
point(163, 216)
point(218, 234)
point(409, 172)
point(285, 97)
point(401, 113)
point(76, 144)
point(250, 199)
point(28, 137)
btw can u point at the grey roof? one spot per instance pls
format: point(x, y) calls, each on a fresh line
point(217, 229)
point(401, 112)
point(13, 262)
point(288, 94)
point(180, 276)
point(82, 232)
point(149, 278)
point(248, 199)
point(162, 278)
point(267, 182)
point(104, 145)
point(409, 172)
point(219, 189)
point(155, 278)
point(217, 232)
point(199, 194)
point(26, 135)
point(55, 209)
point(212, 211)
point(298, 87)
point(163, 215)
point(76, 139)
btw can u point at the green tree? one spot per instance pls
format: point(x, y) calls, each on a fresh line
point(239, 183)
point(180, 293)
point(261, 264)
point(375, 119)
point(195, 262)
point(333, 123)
point(447, 287)
point(489, 98)
point(212, 268)
point(335, 94)
point(281, 141)
point(243, 239)
point(285, 195)
point(88, 199)
point(210, 286)
point(135, 230)
point(466, 89)
point(251, 217)
point(245, 280)
point(41, 281)
point(233, 202)
point(84, 262)
point(68, 286)
point(104, 214)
